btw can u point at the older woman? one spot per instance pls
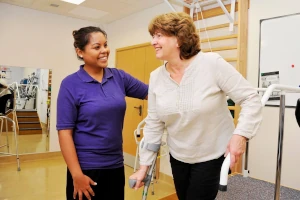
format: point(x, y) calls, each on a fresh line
point(187, 96)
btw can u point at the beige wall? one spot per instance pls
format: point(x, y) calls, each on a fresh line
point(37, 39)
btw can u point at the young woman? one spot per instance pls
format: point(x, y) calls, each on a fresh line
point(90, 113)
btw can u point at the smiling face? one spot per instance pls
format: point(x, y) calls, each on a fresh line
point(178, 31)
point(96, 52)
point(166, 47)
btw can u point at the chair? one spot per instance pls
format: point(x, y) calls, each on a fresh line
point(7, 106)
point(297, 112)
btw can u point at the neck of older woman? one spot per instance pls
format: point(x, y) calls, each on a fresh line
point(95, 72)
point(176, 69)
point(176, 64)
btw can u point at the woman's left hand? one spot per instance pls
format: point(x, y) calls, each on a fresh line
point(139, 176)
point(236, 147)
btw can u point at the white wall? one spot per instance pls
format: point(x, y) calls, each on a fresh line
point(37, 39)
point(263, 148)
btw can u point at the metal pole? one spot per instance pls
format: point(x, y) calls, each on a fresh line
point(279, 148)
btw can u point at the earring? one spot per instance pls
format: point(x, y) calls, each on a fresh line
point(81, 56)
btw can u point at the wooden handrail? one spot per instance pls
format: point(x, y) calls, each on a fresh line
point(214, 12)
point(231, 59)
point(225, 37)
point(220, 48)
point(231, 107)
point(217, 27)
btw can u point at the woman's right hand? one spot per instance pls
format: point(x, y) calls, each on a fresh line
point(139, 176)
point(82, 185)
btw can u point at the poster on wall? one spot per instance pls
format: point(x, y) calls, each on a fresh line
point(269, 78)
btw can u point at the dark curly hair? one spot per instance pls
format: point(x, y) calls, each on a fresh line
point(182, 27)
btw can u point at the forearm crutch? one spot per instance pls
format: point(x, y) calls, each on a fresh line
point(148, 178)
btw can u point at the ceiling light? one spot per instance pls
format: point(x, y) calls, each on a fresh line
point(77, 2)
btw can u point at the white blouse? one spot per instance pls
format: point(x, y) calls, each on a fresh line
point(195, 112)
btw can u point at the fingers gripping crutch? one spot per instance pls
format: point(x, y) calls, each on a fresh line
point(148, 178)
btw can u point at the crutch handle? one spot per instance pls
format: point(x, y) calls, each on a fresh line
point(132, 183)
point(146, 181)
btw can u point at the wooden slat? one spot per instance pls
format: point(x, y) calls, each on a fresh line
point(242, 58)
point(231, 59)
point(186, 10)
point(225, 37)
point(243, 38)
point(220, 49)
point(217, 27)
point(231, 107)
point(214, 12)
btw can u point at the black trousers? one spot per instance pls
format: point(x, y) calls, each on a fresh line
point(110, 184)
point(198, 181)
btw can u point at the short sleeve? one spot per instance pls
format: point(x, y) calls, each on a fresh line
point(66, 109)
point(134, 87)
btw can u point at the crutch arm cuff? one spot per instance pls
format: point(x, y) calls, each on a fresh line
point(150, 146)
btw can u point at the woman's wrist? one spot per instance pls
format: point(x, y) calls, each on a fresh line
point(143, 170)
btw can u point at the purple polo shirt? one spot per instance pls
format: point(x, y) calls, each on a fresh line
point(95, 112)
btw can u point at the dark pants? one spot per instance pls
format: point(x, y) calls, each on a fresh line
point(198, 181)
point(110, 184)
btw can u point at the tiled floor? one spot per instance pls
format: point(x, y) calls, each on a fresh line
point(33, 143)
point(45, 180)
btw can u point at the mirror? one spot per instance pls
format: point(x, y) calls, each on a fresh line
point(32, 109)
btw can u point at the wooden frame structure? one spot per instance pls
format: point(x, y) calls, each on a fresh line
point(241, 46)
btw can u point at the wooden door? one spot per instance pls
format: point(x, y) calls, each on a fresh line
point(132, 61)
point(138, 61)
point(151, 64)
